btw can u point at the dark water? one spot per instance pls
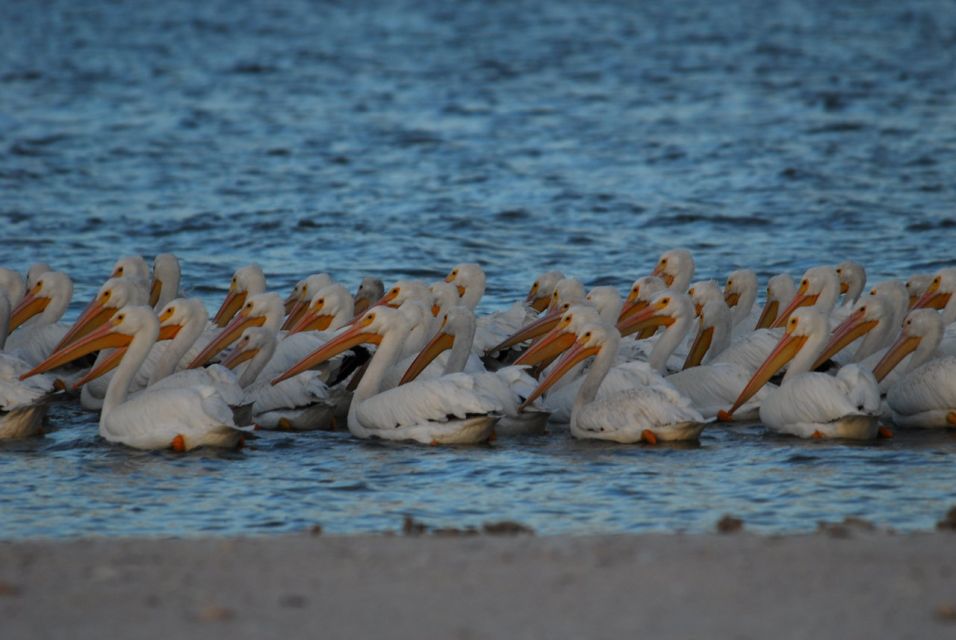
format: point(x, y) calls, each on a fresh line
point(399, 138)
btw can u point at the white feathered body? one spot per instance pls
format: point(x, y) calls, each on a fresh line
point(926, 396)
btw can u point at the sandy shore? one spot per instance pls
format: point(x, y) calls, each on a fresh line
point(857, 584)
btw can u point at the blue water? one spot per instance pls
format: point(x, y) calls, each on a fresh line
point(398, 138)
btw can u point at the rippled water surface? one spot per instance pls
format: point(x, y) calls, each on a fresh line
point(399, 138)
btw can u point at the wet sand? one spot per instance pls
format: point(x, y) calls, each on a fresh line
point(848, 583)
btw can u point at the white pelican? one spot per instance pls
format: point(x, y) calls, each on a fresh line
point(447, 410)
point(166, 276)
point(708, 387)
point(134, 267)
point(22, 403)
point(246, 281)
point(539, 295)
point(262, 309)
point(819, 288)
point(675, 268)
point(916, 286)
point(36, 270)
point(510, 385)
point(925, 394)
point(638, 298)
point(648, 413)
point(469, 279)
point(940, 295)
point(566, 292)
point(180, 418)
point(813, 405)
point(369, 291)
point(331, 308)
point(780, 290)
point(37, 317)
point(112, 295)
point(300, 403)
point(740, 294)
point(302, 294)
point(872, 319)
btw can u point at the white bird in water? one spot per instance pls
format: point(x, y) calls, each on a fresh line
point(181, 418)
point(246, 281)
point(807, 404)
point(23, 404)
point(446, 410)
point(650, 414)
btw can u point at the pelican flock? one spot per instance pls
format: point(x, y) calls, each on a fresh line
point(819, 357)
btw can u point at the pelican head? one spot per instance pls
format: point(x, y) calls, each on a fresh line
point(713, 334)
point(607, 301)
point(916, 286)
point(702, 292)
point(819, 287)
point(780, 290)
point(36, 270)
point(49, 296)
point(252, 341)
point(458, 323)
point(868, 314)
point(922, 331)
point(302, 294)
point(331, 308)
point(262, 309)
point(676, 268)
point(939, 294)
point(469, 279)
point(113, 294)
point(166, 276)
point(639, 295)
point(246, 281)
point(663, 309)
point(852, 277)
point(539, 296)
point(369, 290)
point(131, 267)
point(560, 336)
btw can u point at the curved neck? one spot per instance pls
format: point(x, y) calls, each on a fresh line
point(386, 355)
point(169, 289)
point(472, 296)
point(803, 361)
point(135, 355)
point(177, 348)
point(745, 305)
point(461, 348)
point(879, 337)
point(603, 362)
point(258, 362)
point(669, 341)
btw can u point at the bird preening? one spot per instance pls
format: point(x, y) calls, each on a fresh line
point(820, 357)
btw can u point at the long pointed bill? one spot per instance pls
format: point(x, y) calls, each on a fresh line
point(933, 299)
point(94, 316)
point(535, 301)
point(848, 331)
point(900, 349)
point(543, 352)
point(30, 306)
point(225, 338)
point(294, 314)
point(768, 315)
point(799, 300)
point(112, 361)
point(343, 342)
point(648, 318)
point(290, 301)
point(788, 347)
point(441, 342)
point(629, 308)
point(230, 306)
point(238, 356)
point(537, 328)
point(699, 349)
point(312, 321)
point(154, 291)
point(577, 353)
point(102, 338)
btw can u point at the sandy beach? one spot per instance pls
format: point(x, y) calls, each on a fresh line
point(844, 583)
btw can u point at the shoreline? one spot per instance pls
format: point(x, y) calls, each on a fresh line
point(841, 582)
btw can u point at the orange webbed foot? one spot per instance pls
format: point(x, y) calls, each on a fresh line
point(725, 416)
point(884, 432)
point(178, 444)
point(648, 436)
point(817, 435)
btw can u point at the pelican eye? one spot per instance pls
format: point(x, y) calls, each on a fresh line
point(119, 271)
point(370, 317)
point(106, 294)
point(663, 261)
point(666, 300)
point(587, 335)
point(730, 283)
point(804, 283)
point(863, 309)
point(121, 317)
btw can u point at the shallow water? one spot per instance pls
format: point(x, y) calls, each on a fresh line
point(400, 138)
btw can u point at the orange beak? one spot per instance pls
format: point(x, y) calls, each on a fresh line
point(577, 353)
point(933, 298)
point(233, 302)
point(538, 327)
point(154, 290)
point(700, 347)
point(353, 337)
point(95, 315)
point(732, 298)
point(788, 347)
point(167, 332)
point(313, 320)
point(848, 331)
point(226, 337)
point(102, 338)
point(238, 356)
point(900, 349)
point(294, 314)
point(768, 315)
point(800, 299)
point(660, 273)
point(548, 348)
point(645, 319)
point(30, 306)
point(441, 342)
